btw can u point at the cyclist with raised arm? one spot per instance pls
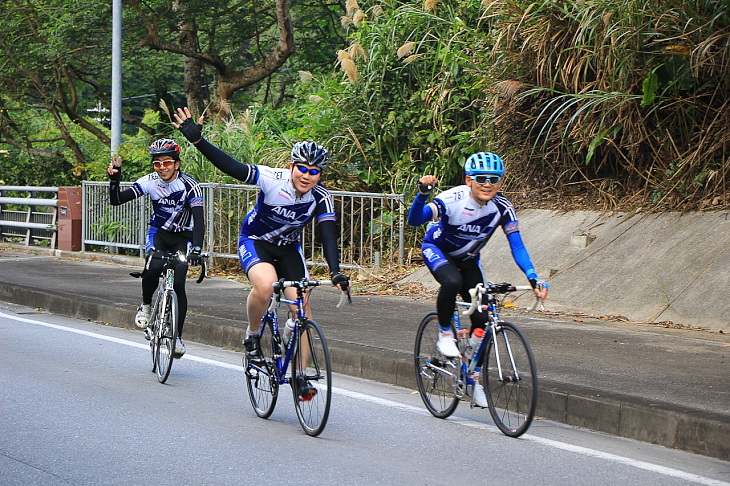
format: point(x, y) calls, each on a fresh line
point(268, 245)
point(177, 224)
point(466, 217)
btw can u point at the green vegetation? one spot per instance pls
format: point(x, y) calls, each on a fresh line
point(597, 104)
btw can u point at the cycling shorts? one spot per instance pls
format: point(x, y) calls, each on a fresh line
point(288, 260)
point(164, 240)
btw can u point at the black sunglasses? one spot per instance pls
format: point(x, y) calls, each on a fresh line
point(304, 170)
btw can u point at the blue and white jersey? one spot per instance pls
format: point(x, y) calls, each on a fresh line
point(279, 215)
point(464, 226)
point(171, 202)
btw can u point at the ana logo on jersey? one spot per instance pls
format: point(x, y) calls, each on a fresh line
point(282, 211)
point(470, 228)
point(167, 202)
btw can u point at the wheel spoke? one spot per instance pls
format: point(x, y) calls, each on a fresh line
point(510, 380)
point(434, 373)
point(311, 363)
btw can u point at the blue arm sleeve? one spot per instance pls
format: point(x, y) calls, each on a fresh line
point(519, 253)
point(419, 213)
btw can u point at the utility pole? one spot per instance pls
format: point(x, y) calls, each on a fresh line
point(116, 77)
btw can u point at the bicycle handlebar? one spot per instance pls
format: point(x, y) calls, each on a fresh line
point(503, 288)
point(176, 257)
point(304, 283)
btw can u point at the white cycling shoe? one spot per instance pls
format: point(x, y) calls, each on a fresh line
point(179, 348)
point(446, 344)
point(143, 316)
point(478, 398)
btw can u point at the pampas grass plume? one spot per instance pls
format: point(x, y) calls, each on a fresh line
point(405, 49)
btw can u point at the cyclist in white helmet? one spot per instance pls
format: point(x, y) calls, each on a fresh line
point(466, 217)
point(268, 245)
point(177, 223)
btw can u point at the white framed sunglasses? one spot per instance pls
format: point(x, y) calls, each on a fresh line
point(482, 179)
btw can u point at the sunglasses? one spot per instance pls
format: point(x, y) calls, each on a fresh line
point(304, 170)
point(483, 179)
point(163, 163)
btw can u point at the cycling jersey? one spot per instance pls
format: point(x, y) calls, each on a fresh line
point(279, 216)
point(171, 203)
point(464, 226)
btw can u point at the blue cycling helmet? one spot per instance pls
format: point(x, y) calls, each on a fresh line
point(484, 163)
point(309, 153)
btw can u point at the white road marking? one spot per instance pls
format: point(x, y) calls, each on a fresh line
point(666, 471)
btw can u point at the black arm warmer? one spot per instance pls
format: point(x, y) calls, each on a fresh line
point(115, 197)
point(198, 225)
point(328, 233)
point(243, 172)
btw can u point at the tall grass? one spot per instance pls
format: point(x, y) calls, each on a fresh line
point(630, 98)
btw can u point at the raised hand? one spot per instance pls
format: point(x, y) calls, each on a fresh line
point(190, 130)
point(115, 168)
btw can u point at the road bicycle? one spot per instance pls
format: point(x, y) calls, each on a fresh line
point(307, 353)
point(164, 317)
point(508, 366)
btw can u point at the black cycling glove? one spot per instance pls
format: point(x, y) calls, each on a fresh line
point(425, 189)
point(342, 280)
point(194, 257)
point(117, 177)
point(191, 130)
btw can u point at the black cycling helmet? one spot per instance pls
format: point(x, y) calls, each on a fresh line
point(309, 153)
point(165, 146)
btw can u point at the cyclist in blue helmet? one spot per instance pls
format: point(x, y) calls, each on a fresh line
point(465, 218)
point(268, 245)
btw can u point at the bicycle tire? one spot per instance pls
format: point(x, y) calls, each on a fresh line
point(313, 412)
point(166, 336)
point(436, 389)
point(153, 326)
point(512, 399)
point(262, 379)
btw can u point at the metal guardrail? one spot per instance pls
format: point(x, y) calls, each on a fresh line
point(371, 225)
point(20, 217)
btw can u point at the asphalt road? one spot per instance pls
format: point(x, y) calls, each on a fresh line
point(80, 406)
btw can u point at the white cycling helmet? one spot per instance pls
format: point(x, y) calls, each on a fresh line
point(309, 153)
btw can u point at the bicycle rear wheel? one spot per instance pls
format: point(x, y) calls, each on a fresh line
point(166, 334)
point(510, 380)
point(262, 378)
point(313, 410)
point(435, 385)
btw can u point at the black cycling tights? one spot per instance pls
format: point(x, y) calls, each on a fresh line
point(457, 280)
point(166, 241)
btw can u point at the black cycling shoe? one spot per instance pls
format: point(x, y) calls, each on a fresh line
point(253, 349)
point(305, 390)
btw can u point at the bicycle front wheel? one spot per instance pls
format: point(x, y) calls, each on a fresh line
point(434, 373)
point(166, 335)
point(262, 378)
point(510, 380)
point(311, 378)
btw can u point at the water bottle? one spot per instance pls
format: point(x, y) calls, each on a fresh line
point(474, 342)
point(288, 330)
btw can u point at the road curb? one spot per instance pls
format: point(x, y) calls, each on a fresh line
point(625, 416)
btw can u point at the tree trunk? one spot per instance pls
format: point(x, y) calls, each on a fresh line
point(193, 82)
